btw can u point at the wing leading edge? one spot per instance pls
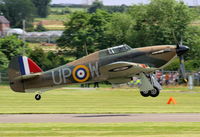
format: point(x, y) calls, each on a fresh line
point(121, 72)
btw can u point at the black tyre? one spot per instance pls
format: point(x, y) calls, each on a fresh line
point(155, 92)
point(37, 96)
point(145, 93)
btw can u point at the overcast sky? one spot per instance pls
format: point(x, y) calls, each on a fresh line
point(119, 2)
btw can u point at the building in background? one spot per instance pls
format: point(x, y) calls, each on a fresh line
point(4, 26)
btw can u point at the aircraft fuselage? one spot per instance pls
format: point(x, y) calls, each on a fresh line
point(86, 69)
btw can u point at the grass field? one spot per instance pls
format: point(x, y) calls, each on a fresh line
point(103, 100)
point(45, 48)
point(59, 9)
point(53, 17)
point(56, 21)
point(102, 130)
point(53, 22)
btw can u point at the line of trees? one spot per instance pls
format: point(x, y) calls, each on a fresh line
point(12, 46)
point(18, 10)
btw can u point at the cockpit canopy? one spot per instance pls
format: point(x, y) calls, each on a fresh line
point(118, 49)
point(115, 50)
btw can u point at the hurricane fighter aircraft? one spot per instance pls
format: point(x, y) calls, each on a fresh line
point(116, 65)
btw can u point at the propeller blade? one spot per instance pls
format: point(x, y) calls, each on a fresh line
point(182, 68)
point(177, 46)
point(181, 42)
point(175, 39)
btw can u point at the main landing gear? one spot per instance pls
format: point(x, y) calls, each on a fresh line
point(153, 93)
point(37, 96)
point(149, 85)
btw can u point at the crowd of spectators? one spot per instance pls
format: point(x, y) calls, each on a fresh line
point(163, 77)
point(167, 78)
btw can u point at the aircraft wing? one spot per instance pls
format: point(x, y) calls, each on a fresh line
point(124, 70)
point(26, 77)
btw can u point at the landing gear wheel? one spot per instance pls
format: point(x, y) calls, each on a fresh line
point(145, 93)
point(37, 96)
point(155, 92)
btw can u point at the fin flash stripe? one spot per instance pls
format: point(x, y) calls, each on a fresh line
point(27, 66)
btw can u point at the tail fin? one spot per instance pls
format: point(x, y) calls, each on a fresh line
point(20, 66)
point(27, 66)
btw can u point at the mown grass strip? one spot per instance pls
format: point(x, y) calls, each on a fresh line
point(92, 130)
point(103, 100)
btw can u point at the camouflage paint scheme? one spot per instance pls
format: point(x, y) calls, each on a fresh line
point(116, 64)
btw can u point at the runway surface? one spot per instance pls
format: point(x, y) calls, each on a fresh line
point(98, 118)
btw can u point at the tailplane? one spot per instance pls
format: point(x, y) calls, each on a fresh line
point(21, 68)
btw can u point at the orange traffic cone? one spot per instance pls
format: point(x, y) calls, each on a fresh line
point(171, 99)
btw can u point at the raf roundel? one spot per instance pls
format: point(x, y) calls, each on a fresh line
point(81, 73)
